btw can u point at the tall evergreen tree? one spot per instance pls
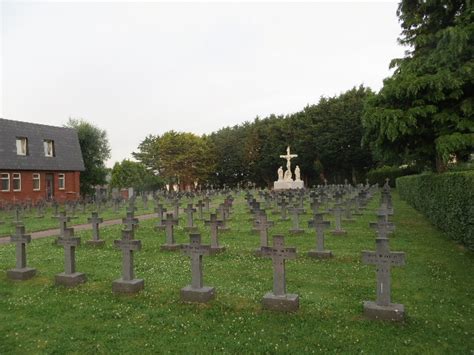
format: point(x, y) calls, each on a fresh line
point(424, 113)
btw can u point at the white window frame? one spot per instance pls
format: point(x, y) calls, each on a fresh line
point(37, 176)
point(63, 177)
point(16, 176)
point(45, 147)
point(2, 177)
point(19, 141)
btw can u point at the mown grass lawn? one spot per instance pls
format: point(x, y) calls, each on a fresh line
point(34, 223)
point(435, 286)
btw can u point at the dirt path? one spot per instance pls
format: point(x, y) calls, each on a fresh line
point(78, 227)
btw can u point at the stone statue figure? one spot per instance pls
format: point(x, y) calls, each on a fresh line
point(297, 173)
point(280, 174)
point(288, 175)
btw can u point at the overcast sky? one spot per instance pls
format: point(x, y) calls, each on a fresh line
point(140, 68)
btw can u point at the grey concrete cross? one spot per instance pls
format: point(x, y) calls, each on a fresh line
point(189, 213)
point(348, 212)
point(199, 206)
point(337, 210)
point(279, 300)
point(283, 207)
point(262, 226)
point(168, 225)
point(130, 221)
point(127, 283)
point(21, 271)
point(382, 227)
point(95, 220)
point(319, 225)
point(295, 218)
point(383, 259)
point(214, 225)
point(176, 205)
point(196, 292)
point(159, 210)
point(207, 201)
point(69, 277)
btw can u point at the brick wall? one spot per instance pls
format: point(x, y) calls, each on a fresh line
point(70, 192)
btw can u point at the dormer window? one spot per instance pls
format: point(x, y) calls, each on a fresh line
point(48, 148)
point(21, 146)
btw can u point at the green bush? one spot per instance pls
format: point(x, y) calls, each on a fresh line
point(447, 200)
point(378, 176)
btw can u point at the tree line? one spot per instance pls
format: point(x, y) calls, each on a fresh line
point(422, 118)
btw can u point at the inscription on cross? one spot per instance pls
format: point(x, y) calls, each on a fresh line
point(279, 300)
point(196, 291)
point(383, 259)
point(21, 271)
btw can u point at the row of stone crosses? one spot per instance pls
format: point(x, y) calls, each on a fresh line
point(278, 299)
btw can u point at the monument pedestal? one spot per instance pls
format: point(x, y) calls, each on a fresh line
point(287, 185)
point(392, 312)
point(128, 286)
point(70, 280)
point(21, 274)
point(199, 295)
point(286, 303)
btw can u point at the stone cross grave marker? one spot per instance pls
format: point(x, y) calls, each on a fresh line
point(95, 220)
point(348, 212)
point(168, 225)
point(383, 259)
point(176, 205)
point(190, 222)
point(69, 277)
point(63, 220)
point(159, 210)
point(295, 218)
point(145, 200)
point(127, 283)
point(279, 300)
point(21, 271)
point(262, 226)
point(214, 224)
point(283, 207)
point(221, 212)
point(356, 204)
point(207, 201)
point(319, 225)
point(338, 231)
point(130, 221)
point(196, 292)
point(382, 228)
point(200, 206)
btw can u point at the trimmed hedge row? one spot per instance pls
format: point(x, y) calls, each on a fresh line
point(378, 175)
point(447, 200)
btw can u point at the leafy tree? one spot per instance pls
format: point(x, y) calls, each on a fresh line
point(424, 113)
point(95, 151)
point(179, 158)
point(133, 174)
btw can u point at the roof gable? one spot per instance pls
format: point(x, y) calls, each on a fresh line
point(68, 156)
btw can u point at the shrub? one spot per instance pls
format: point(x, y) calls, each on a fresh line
point(447, 200)
point(378, 175)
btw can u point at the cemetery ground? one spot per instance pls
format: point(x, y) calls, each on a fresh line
point(435, 286)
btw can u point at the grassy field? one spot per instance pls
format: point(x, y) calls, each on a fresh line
point(34, 223)
point(436, 287)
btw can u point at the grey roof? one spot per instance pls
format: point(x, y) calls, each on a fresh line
point(68, 156)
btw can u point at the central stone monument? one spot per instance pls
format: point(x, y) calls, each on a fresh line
point(285, 179)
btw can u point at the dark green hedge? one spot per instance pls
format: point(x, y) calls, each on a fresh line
point(378, 176)
point(447, 200)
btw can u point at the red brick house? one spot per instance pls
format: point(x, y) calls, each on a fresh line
point(39, 162)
